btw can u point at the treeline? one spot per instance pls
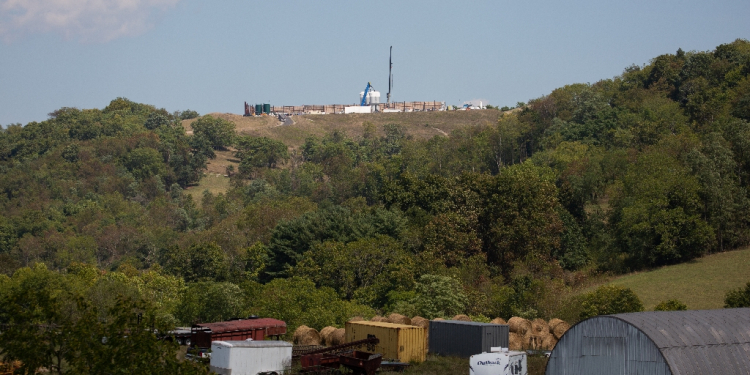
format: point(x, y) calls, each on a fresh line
point(646, 169)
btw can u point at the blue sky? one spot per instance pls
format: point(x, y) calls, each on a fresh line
point(213, 56)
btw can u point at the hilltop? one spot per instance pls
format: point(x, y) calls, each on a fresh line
point(419, 125)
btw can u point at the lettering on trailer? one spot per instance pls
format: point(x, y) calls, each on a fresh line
point(516, 367)
point(489, 363)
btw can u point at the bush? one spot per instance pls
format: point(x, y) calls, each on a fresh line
point(670, 305)
point(738, 297)
point(610, 299)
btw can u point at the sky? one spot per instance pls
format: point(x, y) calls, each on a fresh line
point(212, 56)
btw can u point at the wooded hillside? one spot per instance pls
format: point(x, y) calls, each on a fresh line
point(503, 219)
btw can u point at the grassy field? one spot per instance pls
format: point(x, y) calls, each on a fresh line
point(700, 284)
point(420, 125)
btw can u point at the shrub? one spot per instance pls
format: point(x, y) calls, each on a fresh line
point(670, 305)
point(610, 299)
point(738, 298)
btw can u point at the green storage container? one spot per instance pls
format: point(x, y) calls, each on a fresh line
point(266, 108)
point(258, 109)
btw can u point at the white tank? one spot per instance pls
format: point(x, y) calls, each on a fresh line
point(373, 97)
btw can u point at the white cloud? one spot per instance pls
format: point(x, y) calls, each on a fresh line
point(85, 20)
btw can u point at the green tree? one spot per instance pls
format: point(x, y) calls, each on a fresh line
point(209, 301)
point(218, 132)
point(610, 299)
point(435, 297)
point(738, 298)
point(259, 152)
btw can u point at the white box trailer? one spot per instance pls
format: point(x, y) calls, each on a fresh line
point(250, 357)
point(499, 361)
point(358, 109)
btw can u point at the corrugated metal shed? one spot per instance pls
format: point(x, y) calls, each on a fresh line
point(657, 342)
point(464, 339)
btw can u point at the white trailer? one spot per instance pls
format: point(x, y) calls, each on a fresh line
point(358, 109)
point(250, 357)
point(499, 361)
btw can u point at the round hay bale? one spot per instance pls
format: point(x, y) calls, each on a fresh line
point(515, 341)
point(553, 322)
point(357, 319)
point(533, 341)
point(519, 325)
point(325, 335)
point(559, 329)
point(498, 321)
point(539, 327)
point(438, 319)
point(337, 337)
point(549, 342)
point(462, 317)
point(378, 318)
point(420, 322)
point(305, 335)
point(399, 319)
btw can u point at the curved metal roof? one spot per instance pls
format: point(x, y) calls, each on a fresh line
point(698, 341)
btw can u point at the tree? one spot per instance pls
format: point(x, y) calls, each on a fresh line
point(738, 298)
point(259, 152)
point(218, 132)
point(435, 297)
point(610, 299)
point(656, 214)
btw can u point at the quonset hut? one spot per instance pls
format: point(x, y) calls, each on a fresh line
point(656, 342)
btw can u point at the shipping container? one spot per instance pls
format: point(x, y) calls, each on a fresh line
point(499, 361)
point(250, 357)
point(464, 339)
point(257, 329)
point(398, 342)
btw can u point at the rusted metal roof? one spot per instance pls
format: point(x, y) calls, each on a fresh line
point(241, 325)
point(657, 342)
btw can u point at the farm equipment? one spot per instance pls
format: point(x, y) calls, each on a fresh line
point(325, 360)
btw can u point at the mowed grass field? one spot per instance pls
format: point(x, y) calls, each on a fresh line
point(700, 284)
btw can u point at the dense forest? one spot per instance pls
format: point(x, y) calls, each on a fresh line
point(648, 168)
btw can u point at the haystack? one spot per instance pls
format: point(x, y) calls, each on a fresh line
point(559, 328)
point(438, 319)
point(357, 319)
point(462, 317)
point(549, 342)
point(337, 337)
point(378, 318)
point(325, 335)
point(305, 335)
point(539, 327)
point(399, 319)
point(519, 325)
point(498, 321)
point(420, 322)
point(515, 341)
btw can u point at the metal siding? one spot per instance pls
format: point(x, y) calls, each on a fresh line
point(464, 339)
point(397, 341)
point(605, 345)
point(665, 342)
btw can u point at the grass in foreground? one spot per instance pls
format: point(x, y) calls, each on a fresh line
point(700, 284)
point(439, 365)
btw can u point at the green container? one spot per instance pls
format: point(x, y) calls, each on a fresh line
point(266, 108)
point(258, 109)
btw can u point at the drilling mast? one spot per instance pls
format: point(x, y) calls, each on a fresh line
point(390, 75)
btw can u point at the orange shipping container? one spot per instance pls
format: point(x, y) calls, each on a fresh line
point(397, 341)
